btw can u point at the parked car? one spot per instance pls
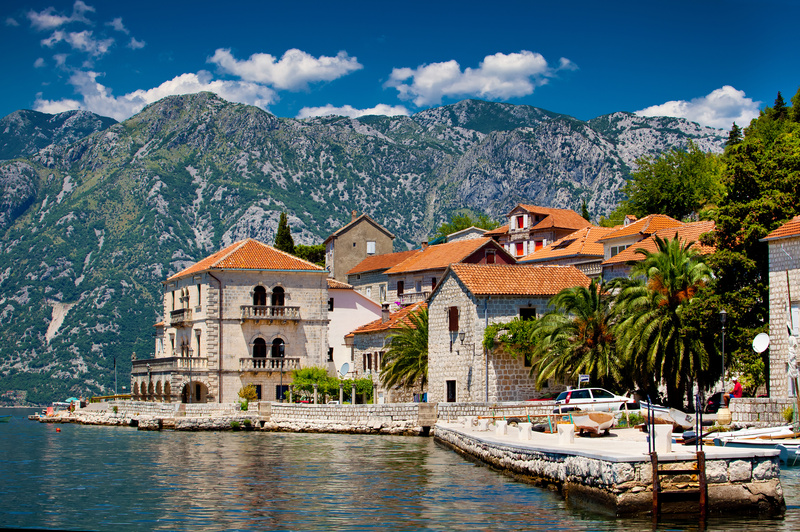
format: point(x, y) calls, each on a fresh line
point(592, 399)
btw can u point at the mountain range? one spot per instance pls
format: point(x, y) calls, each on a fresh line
point(95, 214)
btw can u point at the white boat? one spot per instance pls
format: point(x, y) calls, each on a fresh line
point(682, 419)
point(789, 448)
point(768, 433)
point(593, 422)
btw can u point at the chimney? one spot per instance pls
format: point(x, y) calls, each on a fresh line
point(424, 244)
point(353, 216)
point(384, 312)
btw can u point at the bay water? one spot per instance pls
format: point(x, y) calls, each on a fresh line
point(114, 478)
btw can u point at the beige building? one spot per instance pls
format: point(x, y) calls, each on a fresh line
point(349, 245)
point(784, 304)
point(248, 314)
point(369, 278)
point(468, 299)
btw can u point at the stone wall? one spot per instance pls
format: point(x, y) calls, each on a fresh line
point(759, 412)
point(784, 287)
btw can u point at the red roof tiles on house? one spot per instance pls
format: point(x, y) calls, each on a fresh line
point(248, 255)
point(560, 218)
point(515, 280)
point(396, 320)
point(787, 230)
point(581, 243)
point(502, 230)
point(646, 226)
point(441, 256)
point(689, 232)
point(338, 285)
point(381, 262)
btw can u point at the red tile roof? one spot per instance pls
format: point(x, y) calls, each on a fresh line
point(338, 285)
point(787, 230)
point(381, 262)
point(559, 218)
point(502, 230)
point(395, 321)
point(646, 226)
point(441, 256)
point(248, 255)
point(581, 243)
point(689, 232)
point(516, 280)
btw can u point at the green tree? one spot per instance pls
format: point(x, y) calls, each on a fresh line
point(734, 136)
point(577, 337)
point(303, 381)
point(794, 113)
point(406, 361)
point(585, 212)
point(315, 253)
point(677, 183)
point(649, 318)
point(459, 222)
point(781, 111)
point(283, 237)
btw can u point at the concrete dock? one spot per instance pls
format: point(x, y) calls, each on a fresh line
point(616, 470)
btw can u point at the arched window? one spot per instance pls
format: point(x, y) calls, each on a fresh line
point(277, 297)
point(260, 296)
point(277, 348)
point(259, 348)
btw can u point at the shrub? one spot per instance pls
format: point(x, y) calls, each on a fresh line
point(235, 425)
point(788, 414)
point(248, 393)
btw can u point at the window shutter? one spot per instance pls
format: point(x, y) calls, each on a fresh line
point(453, 315)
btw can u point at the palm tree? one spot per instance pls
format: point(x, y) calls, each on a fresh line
point(576, 337)
point(406, 361)
point(649, 317)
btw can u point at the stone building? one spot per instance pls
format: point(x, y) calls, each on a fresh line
point(349, 245)
point(630, 233)
point(369, 276)
point(530, 228)
point(464, 303)
point(347, 309)
point(580, 249)
point(784, 303)
point(414, 279)
point(248, 314)
point(368, 344)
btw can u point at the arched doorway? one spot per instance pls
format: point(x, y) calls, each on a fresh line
point(260, 296)
point(259, 353)
point(278, 298)
point(194, 392)
point(278, 348)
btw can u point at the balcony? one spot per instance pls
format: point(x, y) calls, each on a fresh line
point(409, 298)
point(181, 317)
point(267, 312)
point(269, 364)
point(170, 364)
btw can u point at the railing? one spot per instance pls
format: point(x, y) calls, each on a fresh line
point(414, 297)
point(269, 364)
point(180, 317)
point(268, 312)
point(154, 365)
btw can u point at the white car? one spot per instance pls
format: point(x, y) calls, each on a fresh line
point(591, 399)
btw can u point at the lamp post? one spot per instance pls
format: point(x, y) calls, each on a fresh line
point(723, 316)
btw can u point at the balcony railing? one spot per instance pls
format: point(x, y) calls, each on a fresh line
point(269, 364)
point(160, 365)
point(267, 312)
point(409, 298)
point(180, 317)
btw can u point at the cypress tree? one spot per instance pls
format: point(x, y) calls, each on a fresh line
point(734, 136)
point(781, 111)
point(585, 212)
point(283, 238)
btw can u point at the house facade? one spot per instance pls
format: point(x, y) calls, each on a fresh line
point(469, 298)
point(580, 249)
point(414, 279)
point(530, 228)
point(784, 305)
point(621, 238)
point(349, 245)
point(347, 309)
point(248, 314)
point(369, 276)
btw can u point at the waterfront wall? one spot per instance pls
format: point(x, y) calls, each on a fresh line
point(759, 412)
point(625, 485)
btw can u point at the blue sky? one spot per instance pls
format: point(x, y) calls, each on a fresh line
point(712, 61)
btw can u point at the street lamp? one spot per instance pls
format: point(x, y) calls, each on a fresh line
point(723, 316)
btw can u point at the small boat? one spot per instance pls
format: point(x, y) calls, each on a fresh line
point(768, 433)
point(5, 418)
point(682, 419)
point(661, 414)
point(593, 422)
point(789, 448)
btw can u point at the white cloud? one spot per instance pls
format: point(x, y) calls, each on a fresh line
point(47, 19)
point(136, 45)
point(97, 98)
point(80, 40)
point(352, 112)
point(498, 76)
point(11, 22)
point(294, 71)
point(118, 25)
point(61, 59)
point(39, 63)
point(719, 109)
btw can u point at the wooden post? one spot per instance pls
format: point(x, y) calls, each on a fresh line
point(656, 484)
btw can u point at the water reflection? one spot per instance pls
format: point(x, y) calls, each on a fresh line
point(106, 478)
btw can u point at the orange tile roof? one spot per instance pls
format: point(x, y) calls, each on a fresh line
point(381, 262)
point(248, 255)
point(502, 230)
point(560, 218)
point(646, 226)
point(515, 280)
point(338, 285)
point(581, 243)
point(689, 232)
point(395, 321)
point(787, 230)
point(441, 256)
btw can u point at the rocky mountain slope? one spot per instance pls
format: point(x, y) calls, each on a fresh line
point(96, 214)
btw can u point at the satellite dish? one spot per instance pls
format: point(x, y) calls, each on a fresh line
point(345, 368)
point(761, 342)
